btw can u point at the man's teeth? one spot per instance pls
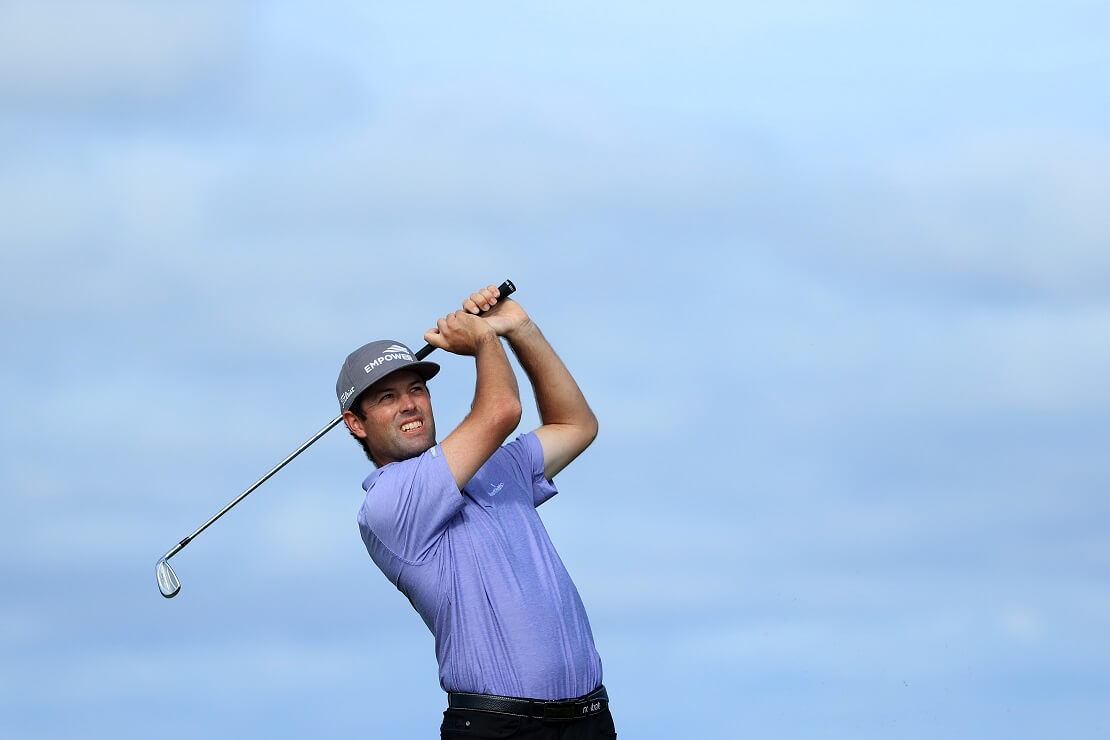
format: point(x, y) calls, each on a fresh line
point(411, 425)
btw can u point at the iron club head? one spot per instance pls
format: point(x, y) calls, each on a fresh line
point(167, 579)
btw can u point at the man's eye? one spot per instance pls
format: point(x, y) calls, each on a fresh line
point(385, 397)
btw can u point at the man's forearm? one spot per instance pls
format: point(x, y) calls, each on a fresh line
point(495, 388)
point(493, 415)
point(558, 397)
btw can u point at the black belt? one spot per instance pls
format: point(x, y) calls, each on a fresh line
point(583, 706)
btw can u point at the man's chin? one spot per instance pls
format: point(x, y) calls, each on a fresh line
point(416, 448)
point(406, 448)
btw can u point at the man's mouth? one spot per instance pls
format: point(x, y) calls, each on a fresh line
point(412, 426)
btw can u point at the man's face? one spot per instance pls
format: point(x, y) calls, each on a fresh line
point(399, 423)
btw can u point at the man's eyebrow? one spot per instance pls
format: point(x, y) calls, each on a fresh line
point(393, 386)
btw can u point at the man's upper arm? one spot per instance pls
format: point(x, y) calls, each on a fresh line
point(410, 503)
point(562, 443)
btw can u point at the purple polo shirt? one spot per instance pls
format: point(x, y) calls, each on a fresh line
point(480, 569)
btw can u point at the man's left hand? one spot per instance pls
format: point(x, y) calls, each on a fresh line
point(505, 317)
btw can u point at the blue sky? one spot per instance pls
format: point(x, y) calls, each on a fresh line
point(833, 275)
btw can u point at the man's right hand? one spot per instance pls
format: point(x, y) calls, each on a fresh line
point(461, 333)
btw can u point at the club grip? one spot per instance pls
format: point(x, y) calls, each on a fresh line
point(506, 289)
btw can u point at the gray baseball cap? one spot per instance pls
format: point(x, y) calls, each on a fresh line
point(371, 362)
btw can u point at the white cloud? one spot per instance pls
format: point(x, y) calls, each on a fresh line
point(300, 535)
point(917, 646)
point(1029, 360)
point(1001, 208)
point(258, 666)
point(1021, 623)
point(65, 52)
point(20, 625)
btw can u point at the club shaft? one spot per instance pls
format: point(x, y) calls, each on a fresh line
point(177, 548)
point(506, 288)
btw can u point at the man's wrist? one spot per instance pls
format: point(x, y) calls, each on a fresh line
point(486, 340)
point(522, 333)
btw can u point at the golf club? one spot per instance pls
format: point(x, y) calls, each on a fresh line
point(168, 583)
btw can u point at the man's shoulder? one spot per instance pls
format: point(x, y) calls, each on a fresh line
point(417, 496)
point(404, 472)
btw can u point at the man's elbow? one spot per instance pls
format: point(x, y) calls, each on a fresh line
point(507, 415)
point(588, 430)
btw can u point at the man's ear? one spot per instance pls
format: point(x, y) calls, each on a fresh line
point(354, 424)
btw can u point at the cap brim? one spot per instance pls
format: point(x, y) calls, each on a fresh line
point(426, 370)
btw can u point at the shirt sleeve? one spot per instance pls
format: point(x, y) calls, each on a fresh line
point(527, 455)
point(409, 504)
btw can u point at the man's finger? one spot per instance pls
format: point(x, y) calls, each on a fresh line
point(478, 302)
point(434, 337)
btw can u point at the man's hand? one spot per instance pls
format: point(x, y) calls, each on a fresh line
point(506, 317)
point(461, 333)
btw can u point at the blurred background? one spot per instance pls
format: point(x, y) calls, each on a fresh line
point(834, 275)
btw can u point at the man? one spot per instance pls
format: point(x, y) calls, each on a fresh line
point(454, 525)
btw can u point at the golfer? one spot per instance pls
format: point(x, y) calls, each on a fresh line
point(453, 525)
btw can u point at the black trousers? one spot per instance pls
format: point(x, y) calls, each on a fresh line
point(471, 723)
